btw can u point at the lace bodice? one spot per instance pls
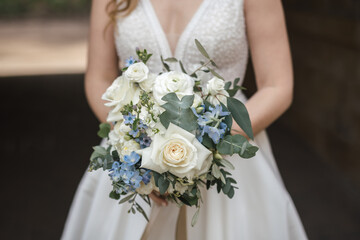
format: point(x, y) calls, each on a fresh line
point(218, 24)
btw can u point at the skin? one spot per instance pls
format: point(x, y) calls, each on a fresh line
point(269, 47)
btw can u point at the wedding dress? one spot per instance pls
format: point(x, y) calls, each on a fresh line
point(261, 207)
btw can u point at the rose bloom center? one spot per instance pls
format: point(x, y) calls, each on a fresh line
point(175, 153)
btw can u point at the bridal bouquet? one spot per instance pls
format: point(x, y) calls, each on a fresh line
point(170, 133)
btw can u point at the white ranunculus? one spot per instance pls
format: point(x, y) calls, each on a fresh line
point(147, 84)
point(116, 136)
point(178, 82)
point(120, 93)
point(137, 72)
point(148, 188)
point(178, 187)
point(215, 89)
point(127, 147)
point(178, 152)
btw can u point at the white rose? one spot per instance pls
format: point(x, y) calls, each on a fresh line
point(137, 72)
point(178, 152)
point(215, 88)
point(178, 82)
point(120, 93)
point(147, 84)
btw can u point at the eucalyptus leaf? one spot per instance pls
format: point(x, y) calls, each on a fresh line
point(182, 67)
point(114, 195)
point(171, 59)
point(163, 185)
point(166, 66)
point(127, 198)
point(231, 192)
point(227, 163)
point(230, 145)
point(215, 73)
point(201, 49)
point(216, 171)
point(100, 150)
point(226, 187)
point(227, 85)
point(178, 112)
point(141, 210)
point(104, 129)
point(240, 115)
point(195, 217)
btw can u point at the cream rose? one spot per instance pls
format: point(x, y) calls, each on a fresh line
point(178, 152)
point(178, 82)
point(120, 93)
point(137, 72)
point(215, 88)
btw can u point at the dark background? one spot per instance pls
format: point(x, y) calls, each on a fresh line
point(48, 128)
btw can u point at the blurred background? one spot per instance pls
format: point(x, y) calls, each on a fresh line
point(48, 128)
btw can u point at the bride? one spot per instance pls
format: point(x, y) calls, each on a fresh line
point(261, 207)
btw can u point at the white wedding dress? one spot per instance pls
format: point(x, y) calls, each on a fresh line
point(261, 207)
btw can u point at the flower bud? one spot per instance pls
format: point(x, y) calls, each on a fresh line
point(199, 109)
point(218, 156)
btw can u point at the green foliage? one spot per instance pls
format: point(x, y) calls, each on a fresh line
point(178, 112)
point(144, 56)
point(104, 129)
point(236, 144)
point(201, 49)
point(235, 88)
point(240, 115)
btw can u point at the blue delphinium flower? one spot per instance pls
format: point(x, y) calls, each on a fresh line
point(134, 133)
point(114, 172)
point(129, 119)
point(126, 175)
point(132, 159)
point(129, 61)
point(127, 167)
point(135, 180)
point(146, 177)
point(142, 125)
point(217, 111)
point(214, 133)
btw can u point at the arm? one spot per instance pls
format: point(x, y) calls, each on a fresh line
point(271, 58)
point(102, 65)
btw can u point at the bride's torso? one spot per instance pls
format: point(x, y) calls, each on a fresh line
point(218, 24)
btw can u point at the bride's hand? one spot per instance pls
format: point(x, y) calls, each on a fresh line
point(158, 199)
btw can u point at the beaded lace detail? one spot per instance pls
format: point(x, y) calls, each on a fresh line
point(218, 24)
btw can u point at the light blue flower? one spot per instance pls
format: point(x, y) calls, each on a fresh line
point(129, 119)
point(217, 111)
point(146, 177)
point(214, 133)
point(142, 125)
point(135, 180)
point(129, 61)
point(132, 159)
point(127, 167)
point(126, 175)
point(134, 133)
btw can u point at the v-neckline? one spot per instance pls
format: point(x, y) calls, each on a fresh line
point(163, 41)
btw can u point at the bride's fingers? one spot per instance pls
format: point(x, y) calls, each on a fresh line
point(158, 200)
